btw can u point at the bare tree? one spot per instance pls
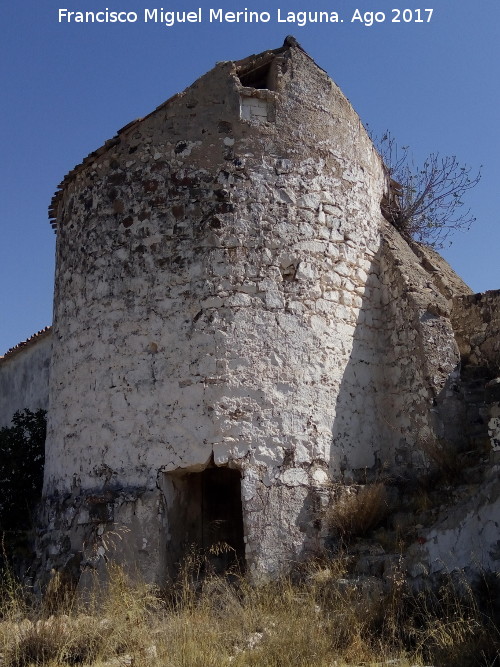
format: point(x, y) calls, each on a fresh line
point(425, 202)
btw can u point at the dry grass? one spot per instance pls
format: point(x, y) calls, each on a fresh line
point(320, 619)
point(451, 626)
point(357, 510)
point(443, 459)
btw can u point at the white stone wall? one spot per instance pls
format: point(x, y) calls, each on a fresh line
point(228, 294)
point(24, 378)
point(465, 535)
point(217, 296)
point(254, 108)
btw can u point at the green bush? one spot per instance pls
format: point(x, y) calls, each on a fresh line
point(22, 455)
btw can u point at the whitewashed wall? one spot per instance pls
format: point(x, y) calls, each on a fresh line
point(24, 378)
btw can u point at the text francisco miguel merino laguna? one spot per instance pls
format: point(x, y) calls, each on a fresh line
point(198, 15)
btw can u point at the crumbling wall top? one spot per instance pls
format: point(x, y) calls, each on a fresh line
point(245, 68)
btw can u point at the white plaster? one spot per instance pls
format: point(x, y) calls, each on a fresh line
point(24, 378)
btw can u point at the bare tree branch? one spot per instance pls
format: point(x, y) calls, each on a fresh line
point(425, 202)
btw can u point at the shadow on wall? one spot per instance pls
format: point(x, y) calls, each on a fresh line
point(388, 395)
point(357, 429)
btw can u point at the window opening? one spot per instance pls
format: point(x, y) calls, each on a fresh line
point(258, 77)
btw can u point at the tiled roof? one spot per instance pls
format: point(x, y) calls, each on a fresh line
point(25, 343)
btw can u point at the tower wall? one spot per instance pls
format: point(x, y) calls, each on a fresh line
point(218, 303)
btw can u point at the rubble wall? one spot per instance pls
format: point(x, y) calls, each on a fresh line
point(464, 535)
point(476, 321)
point(24, 378)
point(228, 294)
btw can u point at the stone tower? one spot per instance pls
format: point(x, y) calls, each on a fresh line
point(231, 330)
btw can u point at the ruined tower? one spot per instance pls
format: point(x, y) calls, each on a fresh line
point(232, 331)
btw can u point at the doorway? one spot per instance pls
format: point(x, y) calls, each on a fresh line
point(205, 514)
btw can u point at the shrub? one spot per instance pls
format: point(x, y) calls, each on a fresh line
point(22, 458)
point(358, 510)
point(444, 459)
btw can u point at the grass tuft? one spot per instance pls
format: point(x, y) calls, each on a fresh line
point(357, 510)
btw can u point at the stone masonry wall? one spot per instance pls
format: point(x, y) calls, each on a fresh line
point(420, 354)
point(464, 537)
point(24, 378)
point(228, 294)
point(476, 321)
point(465, 533)
point(214, 303)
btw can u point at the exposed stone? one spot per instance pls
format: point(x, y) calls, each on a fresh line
point(476, 320)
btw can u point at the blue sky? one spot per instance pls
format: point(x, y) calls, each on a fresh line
point(67, 87)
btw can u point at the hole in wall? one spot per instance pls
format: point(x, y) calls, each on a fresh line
point(257, 77)
point(288, 270)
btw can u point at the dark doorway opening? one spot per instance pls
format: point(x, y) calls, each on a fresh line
point(205, 513)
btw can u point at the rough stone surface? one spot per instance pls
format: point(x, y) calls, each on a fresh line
point(494, 427)
point(420, 352)
point(476, 320)
point(210, 298)
point(237, 329)
point(465, 536)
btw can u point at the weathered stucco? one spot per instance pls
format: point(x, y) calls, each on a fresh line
point(24, 377)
